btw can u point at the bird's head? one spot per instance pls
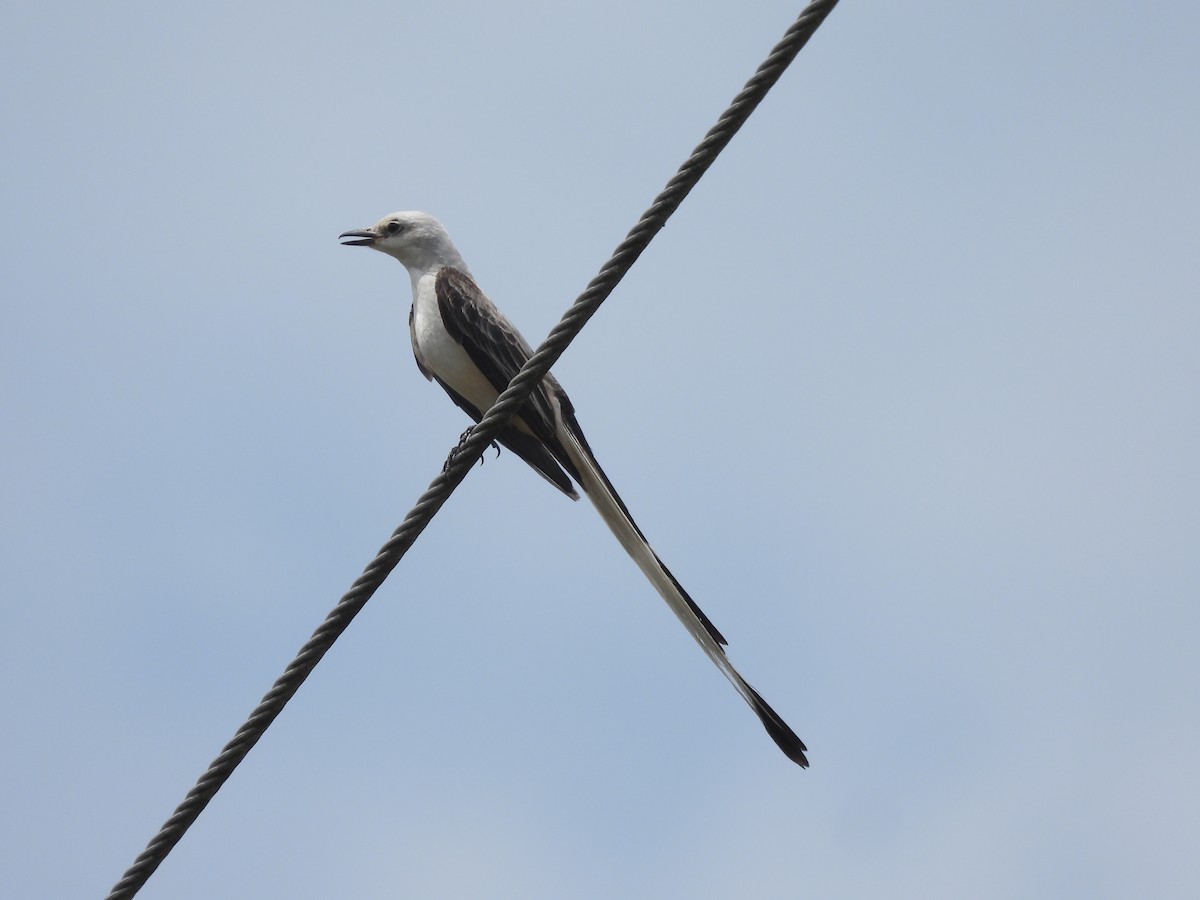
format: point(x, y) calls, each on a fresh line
point(417, 239)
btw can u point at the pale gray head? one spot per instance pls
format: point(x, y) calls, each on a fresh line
point(417, 239)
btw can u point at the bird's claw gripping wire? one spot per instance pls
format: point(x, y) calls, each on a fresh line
point(462, 440)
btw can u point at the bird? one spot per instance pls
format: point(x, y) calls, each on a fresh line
point(462, 341)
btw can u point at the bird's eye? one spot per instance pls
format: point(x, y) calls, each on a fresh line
point(394, 228)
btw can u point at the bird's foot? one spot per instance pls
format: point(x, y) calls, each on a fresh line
point(462, 440)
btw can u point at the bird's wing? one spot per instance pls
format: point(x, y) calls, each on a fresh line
point(497, 349)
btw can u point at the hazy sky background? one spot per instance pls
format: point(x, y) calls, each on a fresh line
point(906, 394)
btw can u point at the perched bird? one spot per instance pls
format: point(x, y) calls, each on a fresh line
point(465, 343)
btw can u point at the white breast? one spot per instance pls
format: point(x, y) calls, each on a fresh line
point(440, 354)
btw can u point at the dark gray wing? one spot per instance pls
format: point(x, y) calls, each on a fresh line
point(499, 351)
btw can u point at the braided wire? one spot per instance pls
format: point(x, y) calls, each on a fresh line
point(464, 456)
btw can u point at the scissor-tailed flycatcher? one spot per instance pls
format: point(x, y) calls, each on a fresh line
point(464, 342)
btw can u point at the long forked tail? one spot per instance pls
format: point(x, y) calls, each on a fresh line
point(611, 508)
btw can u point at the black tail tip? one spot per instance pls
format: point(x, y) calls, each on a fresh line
point(783, 736)
point(792, 747)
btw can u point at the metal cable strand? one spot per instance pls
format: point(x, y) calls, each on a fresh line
point(463, 457)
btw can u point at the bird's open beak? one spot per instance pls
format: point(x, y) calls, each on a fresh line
point(364, 237)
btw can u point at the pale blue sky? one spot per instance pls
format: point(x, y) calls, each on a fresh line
point(906, 395)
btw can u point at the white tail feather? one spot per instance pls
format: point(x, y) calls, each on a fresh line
point(595, 485)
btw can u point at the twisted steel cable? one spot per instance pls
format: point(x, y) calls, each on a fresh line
point(464, 456)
